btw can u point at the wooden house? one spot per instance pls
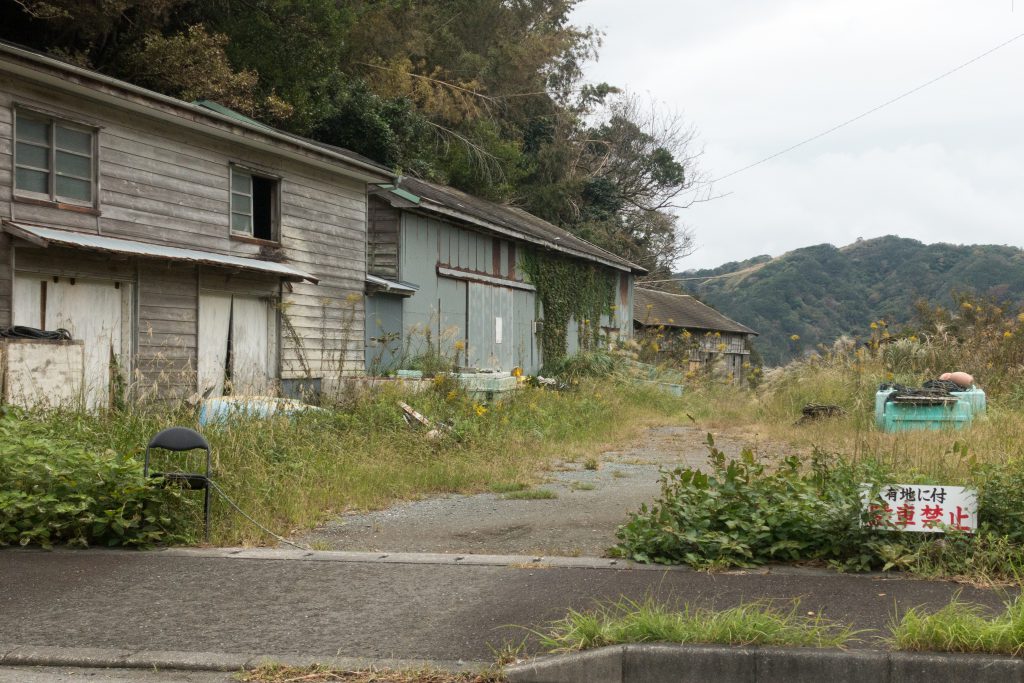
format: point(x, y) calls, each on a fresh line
point(190, 249)
point(448, 273)
point(688, 331)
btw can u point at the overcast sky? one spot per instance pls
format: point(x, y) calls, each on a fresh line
point(945, 164)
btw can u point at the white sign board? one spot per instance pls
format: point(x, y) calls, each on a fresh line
point(921, 507)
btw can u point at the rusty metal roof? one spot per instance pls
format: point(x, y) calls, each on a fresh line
point(44, 237)
point(503, 219)
point(654, 308)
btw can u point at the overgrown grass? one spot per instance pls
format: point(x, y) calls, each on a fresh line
point(292, 473)
point(756, 623)
point(507, 486)
point(531, 494)
point(962, 627)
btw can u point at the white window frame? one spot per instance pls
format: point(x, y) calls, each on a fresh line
point(275, 209)
point(51, 195)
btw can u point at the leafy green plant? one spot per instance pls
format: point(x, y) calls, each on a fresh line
point(54, 490)
point(627, 621)
point(742, 513)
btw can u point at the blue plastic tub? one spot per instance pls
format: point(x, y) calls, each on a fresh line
point(894, 417)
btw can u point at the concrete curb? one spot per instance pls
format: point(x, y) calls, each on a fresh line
point(453, 559)
point(38, 655)
point(654, 663)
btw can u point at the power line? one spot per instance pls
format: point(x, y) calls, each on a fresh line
point(866, 113)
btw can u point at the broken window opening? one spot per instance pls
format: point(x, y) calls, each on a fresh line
point(253, 205)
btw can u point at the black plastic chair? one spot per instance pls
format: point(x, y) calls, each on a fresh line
point(183, 439)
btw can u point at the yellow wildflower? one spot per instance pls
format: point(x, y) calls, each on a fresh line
point(794, 337)
point(460, 345)
point(480, 410)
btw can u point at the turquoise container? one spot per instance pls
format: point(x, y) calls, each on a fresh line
point(894, 417)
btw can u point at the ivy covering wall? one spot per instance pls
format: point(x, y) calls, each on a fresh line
point(569, 289)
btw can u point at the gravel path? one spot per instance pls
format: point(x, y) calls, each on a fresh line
point(590, 505)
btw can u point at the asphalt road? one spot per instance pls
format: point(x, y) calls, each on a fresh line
point(327, 605)
point(73, 674)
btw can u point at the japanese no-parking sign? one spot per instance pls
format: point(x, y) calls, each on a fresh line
point(921, 507)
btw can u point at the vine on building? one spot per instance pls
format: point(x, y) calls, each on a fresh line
point(569, 290)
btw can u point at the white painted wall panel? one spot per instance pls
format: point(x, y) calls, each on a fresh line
point(214, 325)
point(42, 373)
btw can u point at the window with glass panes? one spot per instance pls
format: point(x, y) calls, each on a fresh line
point(53, 160)
point(253, 199)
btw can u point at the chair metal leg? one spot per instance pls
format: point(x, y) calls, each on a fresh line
point(206, 512)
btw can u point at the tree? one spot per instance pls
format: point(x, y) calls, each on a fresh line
point(485, 95)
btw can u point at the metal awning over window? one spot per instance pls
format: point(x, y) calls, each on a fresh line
point(45, 237)
point(379, 284)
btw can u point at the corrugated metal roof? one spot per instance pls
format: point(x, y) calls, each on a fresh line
point(651, 307)
point(44, 237)
point(506, 219)
point(406, 288)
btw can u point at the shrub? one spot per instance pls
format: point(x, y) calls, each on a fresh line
point(742, 514)
point(54, 490)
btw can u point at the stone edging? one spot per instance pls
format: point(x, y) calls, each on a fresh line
point(90, 657)
point(654, 663)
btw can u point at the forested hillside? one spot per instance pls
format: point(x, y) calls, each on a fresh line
point(485, 95)
point(821, 292)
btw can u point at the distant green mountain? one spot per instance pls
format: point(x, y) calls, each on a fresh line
point(822, 292)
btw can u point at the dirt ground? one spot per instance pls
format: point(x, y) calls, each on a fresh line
point(581, 521)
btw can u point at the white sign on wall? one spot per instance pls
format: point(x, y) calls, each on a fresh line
point(497, 330)
point(921, 508)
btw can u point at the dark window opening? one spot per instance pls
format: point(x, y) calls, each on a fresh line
point(263, 191)
point(253, 210)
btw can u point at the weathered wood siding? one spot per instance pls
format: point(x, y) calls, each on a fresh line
point(6, 277)
point(166, 356)
point(6, 166)
point(169, 184)
point(382, 239)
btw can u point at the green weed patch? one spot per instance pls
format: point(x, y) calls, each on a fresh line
point(626, 621)
point(745, 513)
point(962, 627)
point(55, 490)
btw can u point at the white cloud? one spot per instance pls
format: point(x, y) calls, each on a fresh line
point(944, 164)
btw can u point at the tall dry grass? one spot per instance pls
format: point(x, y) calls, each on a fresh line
point(981, 338)
point(292, 473)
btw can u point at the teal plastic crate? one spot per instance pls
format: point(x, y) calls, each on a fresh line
point(895, 417)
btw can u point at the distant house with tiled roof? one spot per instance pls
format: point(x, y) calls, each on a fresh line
point(706, 336)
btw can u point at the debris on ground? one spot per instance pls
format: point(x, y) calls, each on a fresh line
point(275, 673)
point(816, 411)
point(413, 417)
